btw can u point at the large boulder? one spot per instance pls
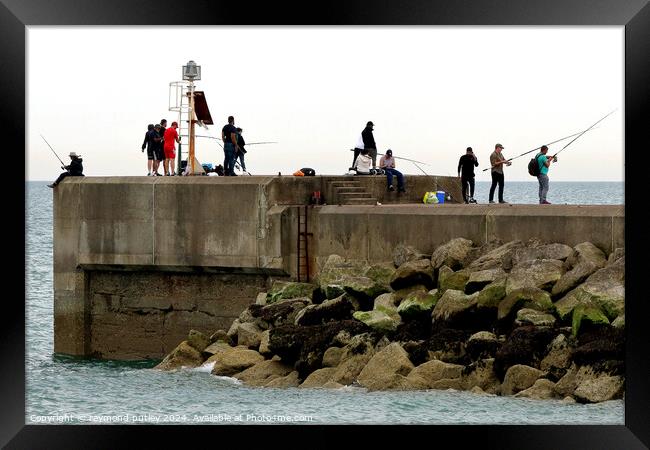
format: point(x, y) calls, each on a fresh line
point(451, 254)
point(279, 313)
point(558, 356)
point(453, 306)
point(184, 355)
point(541, 390)
point(585, 260)
point(599, 389)
point(529, 297)
point(418, 304)
point(198, 340)
point(362, 287)
point(264, 343)
point(288, 289)
point(385, 368)
point(378, 320)
point(541, 274)
point(220, 335)
point(481, 374)
point(448, 345)
point(350, 367)
point(236, 360)
point(483, 344)
point(332, 357)
point(263, 372)
point(339, 308)
point(216, 349)
point(495, 257)
point(448, 279)
point(587, 314)
point(427, 374)
point(249, 335)
point(291, 380)
point(527, 316)
point(412, 273)
point(573, 377)
point(602, 347)
point(549, 251)
point(318, 378)
point(387, 303)
point(608, 297)
point(354, 276)
point(518, 378)
point(491, 295)
point(405, 253)
point(525, 345)
point(481, 278)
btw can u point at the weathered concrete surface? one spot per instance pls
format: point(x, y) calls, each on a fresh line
point(119, 240)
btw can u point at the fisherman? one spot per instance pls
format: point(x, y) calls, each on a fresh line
point(362, 163)
point(170, 139)
point(147, 143)
point(466, 165)
point(158, 153)
point(240, 154)
point(387, 162)
point(230, 147)
point(544, 163)
point(369, 143)
point(75, 169)
point(497, 161)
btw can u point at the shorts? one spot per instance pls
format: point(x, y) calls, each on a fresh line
point(170, 153)
point(149, 153)
point(159, 155)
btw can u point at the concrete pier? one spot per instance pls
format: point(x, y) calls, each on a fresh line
point(138, 261)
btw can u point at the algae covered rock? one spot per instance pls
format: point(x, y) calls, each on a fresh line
point(452, 280)
point(452, 306)
point(451, 254)
point(482, 278)
point(288, 290)
point(417, 304)
point(527, 316)
point(587, 314)
point(482, 344)
point(531, 298)
point(492, 294)
point(340, 308)
point(378, 320)
point(411, 273)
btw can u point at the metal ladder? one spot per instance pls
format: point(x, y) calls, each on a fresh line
point(179, 102)
point(303, 244)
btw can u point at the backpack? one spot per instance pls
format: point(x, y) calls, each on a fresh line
point(533, 166)
point(308, 171)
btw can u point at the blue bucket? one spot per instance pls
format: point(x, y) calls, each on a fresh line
point(441, 196)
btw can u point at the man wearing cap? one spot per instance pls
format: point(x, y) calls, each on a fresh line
point(75, 169)
point(387, 162)
point(466, 165)
point(169, 147)
point(497, 161)
point(369, 143)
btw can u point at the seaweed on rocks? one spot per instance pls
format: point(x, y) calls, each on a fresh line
point(416, 329)
point(603, 348)
point(526, 345)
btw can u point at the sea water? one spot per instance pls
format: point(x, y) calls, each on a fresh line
point(67, 390)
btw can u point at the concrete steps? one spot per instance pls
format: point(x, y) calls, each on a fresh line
point(351, 192)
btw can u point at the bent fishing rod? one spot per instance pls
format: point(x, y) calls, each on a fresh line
point(537, 148)
point(248, 143)
point(583, 133)
point(57, 156)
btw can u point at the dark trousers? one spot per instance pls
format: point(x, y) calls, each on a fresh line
point(398, 174)
point(229, 159)
point(464, 182)
point(497, 178)
point(63, 175)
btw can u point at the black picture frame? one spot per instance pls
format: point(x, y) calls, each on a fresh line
point(16, 15)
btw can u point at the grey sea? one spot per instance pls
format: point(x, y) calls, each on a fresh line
point(65, 390)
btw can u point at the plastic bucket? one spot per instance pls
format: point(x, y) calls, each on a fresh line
point(441, 196)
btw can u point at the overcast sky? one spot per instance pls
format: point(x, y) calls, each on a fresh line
point(431, 92)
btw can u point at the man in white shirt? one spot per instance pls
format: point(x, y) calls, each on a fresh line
point(363, 163)
point(387, 162)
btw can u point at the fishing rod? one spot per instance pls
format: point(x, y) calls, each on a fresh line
point(537, 148)
point(248, 143)
point(583, 133)
point(405, 159)
point(57, 156)
point(236, 163)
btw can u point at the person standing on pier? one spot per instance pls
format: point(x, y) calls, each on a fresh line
point(158, 153)
point(369, 143)
point(544, 163)
point(240, 154)
point(169, 147)
point(497, 161)
point(387, 162)
point(230, 147)
point(149, 145)
point(466, 165)
point(75, 169)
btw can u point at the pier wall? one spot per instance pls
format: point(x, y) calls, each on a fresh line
point(138, 261)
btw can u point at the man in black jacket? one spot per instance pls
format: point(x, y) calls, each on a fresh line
point(242, 151)
point(75, 169)
point(466, 164)
point(369, 143)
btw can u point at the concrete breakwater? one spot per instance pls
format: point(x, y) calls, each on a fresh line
point(138, 261)
point(535, 320)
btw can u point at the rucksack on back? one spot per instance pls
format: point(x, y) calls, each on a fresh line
point(533, 166)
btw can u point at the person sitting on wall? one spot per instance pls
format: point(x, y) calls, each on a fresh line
point(75, 169)
point(387, 162)
point(363, 163)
